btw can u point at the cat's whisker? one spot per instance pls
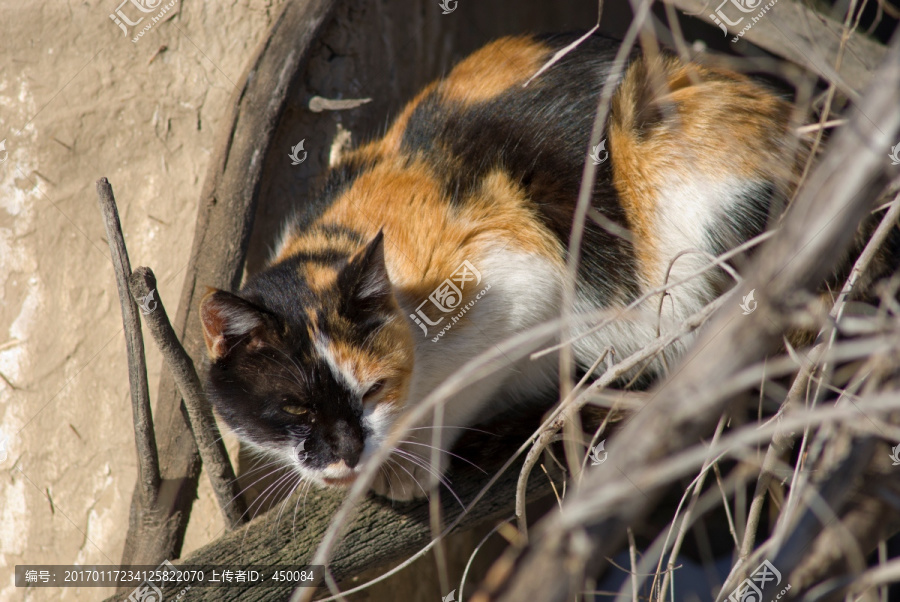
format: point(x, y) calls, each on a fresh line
point(278, 494)
point(266, 493)
point(287, 498)
point(254, 470)
point(415, 480)
point(258, 455)
point(419, 461)
point(438, 477)
point(288, 370)
point(260, 501)
point(297, 373)
point(415, 458)
point(287, 489)
point(390, 482)
point(309, 489)
point(254, 482)
point(426, 465)
point(464, 428)
point(303, 494)
point(443, 451)
point(387, 478)
point(281, 376)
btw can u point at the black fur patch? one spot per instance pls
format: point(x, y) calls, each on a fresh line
point(295, 375)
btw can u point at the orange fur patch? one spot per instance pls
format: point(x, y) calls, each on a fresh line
point(668, 116)
point(315, 240)
point(389, 356)
point(420, 258)
point(495, 68)
point(320, 278)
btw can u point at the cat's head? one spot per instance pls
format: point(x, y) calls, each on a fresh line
point(312, 360)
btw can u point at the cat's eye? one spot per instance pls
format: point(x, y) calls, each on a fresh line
point(374, 390)
point(295, 410)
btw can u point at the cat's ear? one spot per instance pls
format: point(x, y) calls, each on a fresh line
point(364, 281)
point(228, 321)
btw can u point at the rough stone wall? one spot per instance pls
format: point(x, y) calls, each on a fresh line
point(80, 100)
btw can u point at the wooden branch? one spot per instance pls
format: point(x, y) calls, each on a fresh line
point(821, 222)
point(203, 424)
point(382, 532)
point(224, 223)
point(801, 35)
point(144, 437)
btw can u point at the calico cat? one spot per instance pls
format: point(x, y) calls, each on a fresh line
point(449, 234)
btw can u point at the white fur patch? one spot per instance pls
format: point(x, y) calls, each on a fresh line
point(378, 418)
point(342, 372)
point(524, 291)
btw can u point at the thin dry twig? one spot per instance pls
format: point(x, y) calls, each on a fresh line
point(144, 436)
point(682, 530)
point(781, 442)
point(821, 220)
point(206, 432)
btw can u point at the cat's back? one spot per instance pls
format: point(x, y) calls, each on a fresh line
point(477, 158)
point(493, 156)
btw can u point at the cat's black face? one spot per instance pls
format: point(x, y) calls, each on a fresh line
point(282, 399)
point(313, 375)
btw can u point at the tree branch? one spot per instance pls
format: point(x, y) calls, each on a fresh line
point(805, 37)
point(144, 436)
point(383, 532)
point(203, 423)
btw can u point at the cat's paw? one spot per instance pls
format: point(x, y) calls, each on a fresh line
point(402, 480)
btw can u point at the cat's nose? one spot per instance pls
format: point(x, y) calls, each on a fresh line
point(348, 446)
